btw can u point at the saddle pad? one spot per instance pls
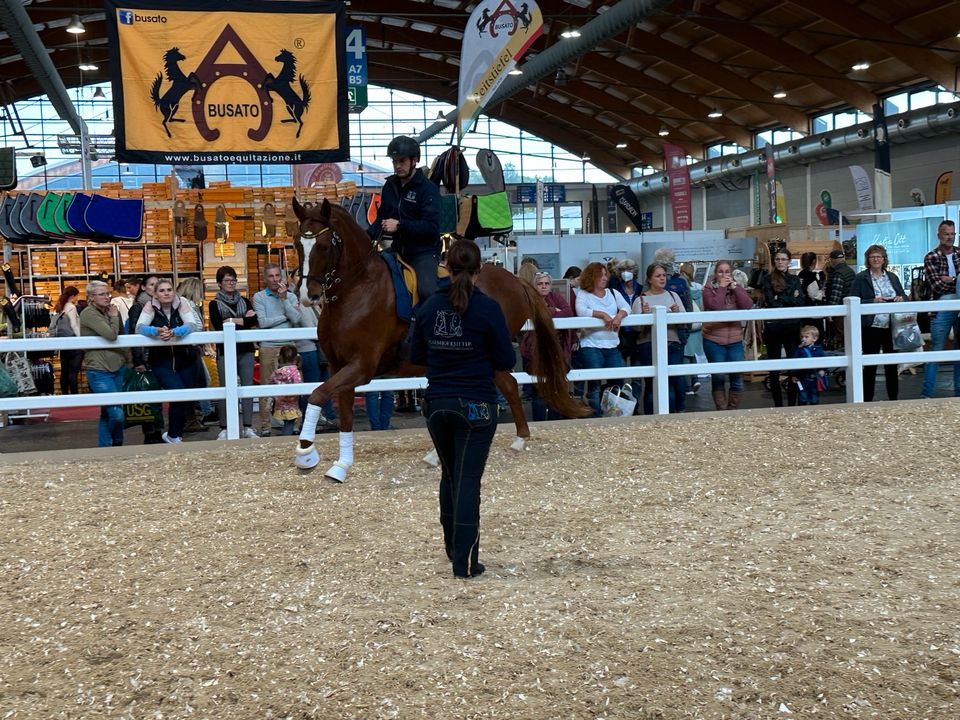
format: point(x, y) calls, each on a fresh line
point(120, 218)
point(361, 209)
point(28, 218)
point(491, 170)
point(448, 214)
point(6, 229)
point(60, 214)
point(404, 285)
point(46, 214)
point(374, 208)
point(75, 215)
point(494, 214)
point(20, 202)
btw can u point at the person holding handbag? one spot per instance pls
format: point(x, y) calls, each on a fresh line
point(876, 284)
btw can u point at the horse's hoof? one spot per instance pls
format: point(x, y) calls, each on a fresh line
point(337, 472)
point(307, 458)
point(519, 444)
point(432, 459)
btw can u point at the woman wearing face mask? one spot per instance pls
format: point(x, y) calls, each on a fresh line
point(657, 294)
point(559, 308)
point(625, 282)
point(781, 290)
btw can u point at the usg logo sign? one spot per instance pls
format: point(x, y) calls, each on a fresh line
point(128, 17)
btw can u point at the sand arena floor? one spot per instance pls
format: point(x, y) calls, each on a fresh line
point(750, 565)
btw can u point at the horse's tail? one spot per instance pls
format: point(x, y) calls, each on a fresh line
point(549, 365)
point(305, 89)
point(155, 89)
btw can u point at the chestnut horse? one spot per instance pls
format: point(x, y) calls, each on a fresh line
point(360, 333)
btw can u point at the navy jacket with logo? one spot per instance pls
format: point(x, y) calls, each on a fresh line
point(417, 206)
point(461, 352)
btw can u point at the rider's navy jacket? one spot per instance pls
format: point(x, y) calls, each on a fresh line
point(417, 206)
point(461, 352)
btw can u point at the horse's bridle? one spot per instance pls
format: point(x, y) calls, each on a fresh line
point(330, 278)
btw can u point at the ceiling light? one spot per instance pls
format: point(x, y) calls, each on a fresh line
point(570, 33)
point(621, 146)
point(663, 131)
point(862, 65)
point(98, 93)
point(586, 157)
point(515, 71)
point(560, 79)
point(360, 167)
point(715, 113)
point(779, 93)
point(87, 64)
point(440, 115)
point(76, 27)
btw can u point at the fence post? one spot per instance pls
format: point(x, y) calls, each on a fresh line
point(229, 382)
point(853, 347)
point(661, 378)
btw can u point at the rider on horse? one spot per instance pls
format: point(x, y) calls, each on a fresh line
point(409, 213)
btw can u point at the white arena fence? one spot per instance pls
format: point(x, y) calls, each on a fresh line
point(852, 361)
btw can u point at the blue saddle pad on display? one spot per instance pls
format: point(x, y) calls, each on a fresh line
point(404, 299)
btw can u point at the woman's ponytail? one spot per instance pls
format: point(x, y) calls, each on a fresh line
point(463, 261)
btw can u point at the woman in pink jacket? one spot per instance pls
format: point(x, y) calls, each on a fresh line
point(723, 341)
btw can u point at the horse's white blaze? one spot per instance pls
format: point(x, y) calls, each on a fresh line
point(308, 244)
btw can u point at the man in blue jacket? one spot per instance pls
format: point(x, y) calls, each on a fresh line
point(409, 213)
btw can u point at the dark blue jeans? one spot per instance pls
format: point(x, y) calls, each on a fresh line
point(425, 266)
point(592, 358)
point(379, 409)
point(462, 431)
point(110, 429)
point(677, 383)
point(717, 352)
point(176, 377)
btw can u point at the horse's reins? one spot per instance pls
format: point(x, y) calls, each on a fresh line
point(330, 278)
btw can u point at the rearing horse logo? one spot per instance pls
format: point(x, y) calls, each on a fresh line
point(282, 85)
point(168, 103)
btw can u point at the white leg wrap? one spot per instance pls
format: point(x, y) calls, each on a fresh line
point(519, 443)
point(346, 449)
point(308, 431)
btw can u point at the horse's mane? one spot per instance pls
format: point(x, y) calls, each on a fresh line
point(289, 70)
point(170, 59)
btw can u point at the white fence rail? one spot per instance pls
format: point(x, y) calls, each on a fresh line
point(853, 361)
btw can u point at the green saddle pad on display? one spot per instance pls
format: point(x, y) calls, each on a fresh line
point(46, 213)
point(60, 214)
point(493, 213)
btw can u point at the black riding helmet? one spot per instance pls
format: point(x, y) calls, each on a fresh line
point(403, 147)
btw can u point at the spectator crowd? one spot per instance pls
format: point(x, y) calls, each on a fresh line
point(610, 292)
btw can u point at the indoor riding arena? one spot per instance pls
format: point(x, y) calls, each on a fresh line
point(759, 564)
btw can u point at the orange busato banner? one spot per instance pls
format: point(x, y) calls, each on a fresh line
point(228, 82)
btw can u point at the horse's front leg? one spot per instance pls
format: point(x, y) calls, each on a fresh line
point(507, 385)
point(343, 381)
point(338, 471)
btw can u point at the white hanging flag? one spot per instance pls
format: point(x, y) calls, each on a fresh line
point(861, 184)
point(496, 37)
